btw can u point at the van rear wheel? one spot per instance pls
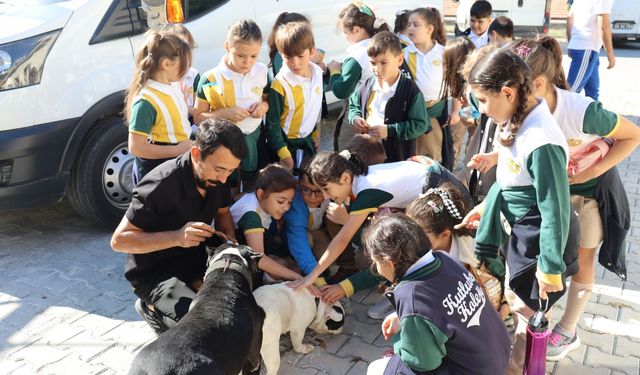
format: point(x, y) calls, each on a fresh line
point(101, 184)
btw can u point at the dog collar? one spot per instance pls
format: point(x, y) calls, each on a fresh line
point(317, 319)
point(229, 262)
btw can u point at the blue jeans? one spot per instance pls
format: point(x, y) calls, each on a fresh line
point(583, 72)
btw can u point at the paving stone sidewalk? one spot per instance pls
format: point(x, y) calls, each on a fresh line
point(65, 307)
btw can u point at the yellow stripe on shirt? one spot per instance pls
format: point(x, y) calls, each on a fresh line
point(229, 93)
point(364, 211)
point(174, 113)
point(296, 119)
point(213, 93)
point(413, 64)
point(369, 101)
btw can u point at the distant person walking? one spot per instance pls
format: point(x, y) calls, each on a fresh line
point(588, 28)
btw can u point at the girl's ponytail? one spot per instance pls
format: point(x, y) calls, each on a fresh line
point(433, 17)
point(544, 58)
point(159, 45)
point(360, 14)
point(380, 24)
point(552, 45)
point(357, 162)
point(440, 209)
point(329, 166)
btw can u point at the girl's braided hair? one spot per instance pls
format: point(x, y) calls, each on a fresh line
point(498, 69)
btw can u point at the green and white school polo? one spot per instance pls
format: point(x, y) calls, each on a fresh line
point(538, 129)
point(221, 88)
point(247, 215)
point(426, 69)
point(582, 120)
point(160, 113)
point(393, 185)
point(302, 100)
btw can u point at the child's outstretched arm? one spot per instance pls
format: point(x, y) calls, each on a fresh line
point(335, 248)
point(274, 268)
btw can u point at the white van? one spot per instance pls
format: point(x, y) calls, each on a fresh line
point(625, 20)
point(64, 67)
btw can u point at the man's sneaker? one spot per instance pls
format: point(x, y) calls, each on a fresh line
point(380, 310)
point(152, 318)
point(561, 343)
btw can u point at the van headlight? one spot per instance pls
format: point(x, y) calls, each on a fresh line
point(22, 61)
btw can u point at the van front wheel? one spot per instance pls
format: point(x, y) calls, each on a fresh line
point(101, 184)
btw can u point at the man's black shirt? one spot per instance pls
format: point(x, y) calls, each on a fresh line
point(165, 200)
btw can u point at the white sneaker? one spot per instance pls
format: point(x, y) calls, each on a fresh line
point(380, 310)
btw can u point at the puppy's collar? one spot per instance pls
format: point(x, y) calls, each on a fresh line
point(232, 262)
point(319, 317)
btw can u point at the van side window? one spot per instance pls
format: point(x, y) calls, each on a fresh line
point(196, 8)
point(150, 13)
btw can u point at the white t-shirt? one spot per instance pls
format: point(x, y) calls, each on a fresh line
point(585, 33)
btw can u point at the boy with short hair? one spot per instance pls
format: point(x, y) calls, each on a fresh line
point(481, 18)
point(501, 31)
point(389, 105)
point(295, 97)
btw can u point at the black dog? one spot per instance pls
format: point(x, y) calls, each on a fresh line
point(222, 332)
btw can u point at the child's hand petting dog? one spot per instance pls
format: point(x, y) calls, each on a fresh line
point(332, 293)
point(315, 291)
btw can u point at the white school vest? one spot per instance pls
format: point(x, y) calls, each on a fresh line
point(246, 88)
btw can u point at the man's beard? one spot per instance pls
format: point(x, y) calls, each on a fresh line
point(205, 184)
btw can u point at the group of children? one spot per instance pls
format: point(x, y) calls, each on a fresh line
point(386, 191)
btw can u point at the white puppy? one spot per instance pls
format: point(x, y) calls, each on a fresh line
point(289, 310)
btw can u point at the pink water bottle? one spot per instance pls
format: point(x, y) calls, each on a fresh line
point(588, 156)
point(537, 337)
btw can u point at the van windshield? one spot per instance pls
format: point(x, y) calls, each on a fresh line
point(29, 2)
point(6, 5)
